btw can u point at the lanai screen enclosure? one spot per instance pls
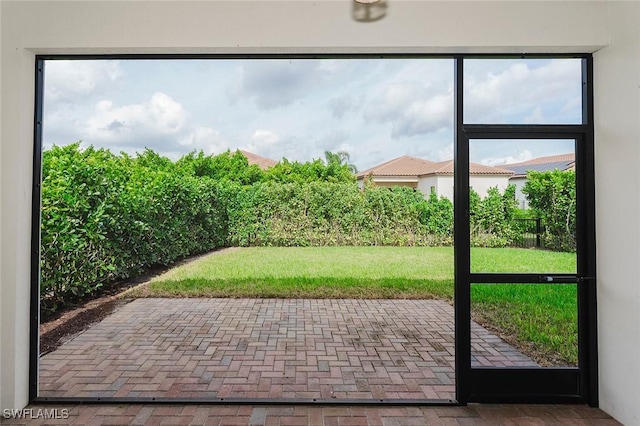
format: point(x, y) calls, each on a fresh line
point(484, 114)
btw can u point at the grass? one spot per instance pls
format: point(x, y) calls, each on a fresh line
point(313, 272)
point(540, 319)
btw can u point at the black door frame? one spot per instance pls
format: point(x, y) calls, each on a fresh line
point(534, 385)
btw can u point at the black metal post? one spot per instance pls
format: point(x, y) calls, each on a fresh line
point(586, 213)
point(462, 293)
point(34, 331)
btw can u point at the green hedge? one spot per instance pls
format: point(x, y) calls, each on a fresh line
point(552, 196)
point(491, 219)
point(106, 217)
point(325, 213)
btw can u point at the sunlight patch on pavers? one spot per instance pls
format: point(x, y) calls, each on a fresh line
point(269, 348)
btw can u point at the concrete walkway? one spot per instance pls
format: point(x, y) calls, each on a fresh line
point(269, 348)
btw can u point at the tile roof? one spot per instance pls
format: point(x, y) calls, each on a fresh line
point(446, 168)
point(401, 166)
point(412, 166)
point(262, 162)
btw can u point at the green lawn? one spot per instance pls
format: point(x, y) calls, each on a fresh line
point(538, 318)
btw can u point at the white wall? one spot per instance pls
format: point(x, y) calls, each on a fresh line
point(425, 184)
point(481, 184)
point(617, 132)
point(444, 184)
point(519, 183)
point(326, 26)
point(2, 405)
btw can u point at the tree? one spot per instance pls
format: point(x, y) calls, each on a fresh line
point(340, 158)
point(491, 218)
point(552, 195)
point(312, 171)
point(226, 166)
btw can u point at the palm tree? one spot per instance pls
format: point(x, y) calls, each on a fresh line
point(340, 158)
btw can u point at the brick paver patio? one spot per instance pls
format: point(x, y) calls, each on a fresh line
point(490, 415)
point(269, 348)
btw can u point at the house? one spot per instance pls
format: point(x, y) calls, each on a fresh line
point(263, 162)
point(428, 176)
point(561, 162)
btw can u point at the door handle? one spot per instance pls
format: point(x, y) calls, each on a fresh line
point(559, 279)
point(565, 279)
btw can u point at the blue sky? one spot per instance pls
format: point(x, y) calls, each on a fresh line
point(375, 109)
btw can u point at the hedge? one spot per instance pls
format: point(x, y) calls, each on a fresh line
point(107, 217)
point(325, 213)
point(552, 196)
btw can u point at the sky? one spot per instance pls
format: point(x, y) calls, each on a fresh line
point(374, 109)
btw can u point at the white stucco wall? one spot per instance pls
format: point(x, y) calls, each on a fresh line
point(326, 26)
point(519, 184)
point(444, 184)
point(617, 132)
point(425, 183)
point(1, 317)
point(481, 184)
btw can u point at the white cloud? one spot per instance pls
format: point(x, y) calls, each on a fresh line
point(374, 109)
point(341, 105)
point(159, 116)
point(331, 141)
point(536, 117)
point(206, 139)
point(160, 123)
point(509, 159)
point(264, 138)
point(572, 105)
point(411, 109)
point(520, 89)
point(444, 154)
point(275, 84)
point(266, 143)
point(69, 80)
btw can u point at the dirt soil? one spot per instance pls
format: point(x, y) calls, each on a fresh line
point(71, 323)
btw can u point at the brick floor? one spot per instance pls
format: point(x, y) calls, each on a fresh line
point(313, 415)
point(269, 348)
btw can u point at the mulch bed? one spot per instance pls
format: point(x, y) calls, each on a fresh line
point(63, 325)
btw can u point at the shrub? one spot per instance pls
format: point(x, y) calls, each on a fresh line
point(552, 195)
point(324, 213)
point(491, 218)
point(106, 217)
point(287, 171)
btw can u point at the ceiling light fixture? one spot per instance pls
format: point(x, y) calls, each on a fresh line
point(369, 10)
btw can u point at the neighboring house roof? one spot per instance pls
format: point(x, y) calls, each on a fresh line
point(407, 166)
point(401, 166)
point(262, 162)
point(446, 168)
point(561, 162)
